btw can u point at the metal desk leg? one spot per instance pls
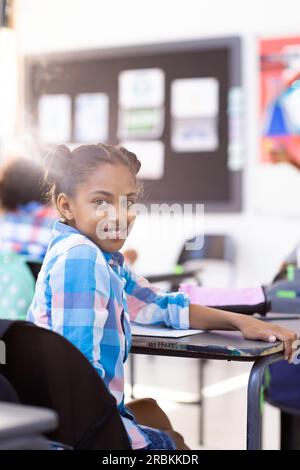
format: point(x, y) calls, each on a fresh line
point(201, 401)
point(254, 418)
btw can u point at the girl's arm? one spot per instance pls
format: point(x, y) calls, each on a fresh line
point(148, 305)
point(206, 318)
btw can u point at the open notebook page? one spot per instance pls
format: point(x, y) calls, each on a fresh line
point(160, 331)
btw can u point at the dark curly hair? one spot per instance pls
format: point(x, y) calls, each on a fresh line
point(21, 181)
point(66, 169)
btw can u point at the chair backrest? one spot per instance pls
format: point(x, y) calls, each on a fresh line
point(46, 370)
point(35, 267)
point(216, 247)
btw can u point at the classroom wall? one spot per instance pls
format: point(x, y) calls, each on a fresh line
point(46, 25)
point(262, 238)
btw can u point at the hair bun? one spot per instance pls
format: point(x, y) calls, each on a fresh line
point(132, 159)
point(57, 159)
point(135, 162)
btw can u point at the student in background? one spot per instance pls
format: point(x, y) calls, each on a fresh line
point(25, 220)
point(88, 294)
point(25, 231)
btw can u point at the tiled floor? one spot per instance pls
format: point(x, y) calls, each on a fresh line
point(167, 379)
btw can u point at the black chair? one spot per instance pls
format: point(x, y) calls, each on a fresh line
point(218, 247)
point(46, 370)
point(191, 263)
point(282, 390)
point(215, 246)
point(34, 267)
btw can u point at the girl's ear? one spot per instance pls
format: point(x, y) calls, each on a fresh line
point(63, 207)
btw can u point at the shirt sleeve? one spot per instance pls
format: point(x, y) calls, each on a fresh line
point(149, 305)
point(79, 283)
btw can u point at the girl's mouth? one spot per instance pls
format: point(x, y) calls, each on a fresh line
point(115, 234)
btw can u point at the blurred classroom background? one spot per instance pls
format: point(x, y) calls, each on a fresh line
point(260, 210)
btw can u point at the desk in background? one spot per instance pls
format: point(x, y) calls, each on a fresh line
point(21, 426)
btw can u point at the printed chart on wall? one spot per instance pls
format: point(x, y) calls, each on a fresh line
point(279, 164)
point(141, 118)
point(178, 106)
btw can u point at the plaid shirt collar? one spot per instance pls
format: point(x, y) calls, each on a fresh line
point(113, 258)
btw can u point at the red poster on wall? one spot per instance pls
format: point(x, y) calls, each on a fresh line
point(280, 100)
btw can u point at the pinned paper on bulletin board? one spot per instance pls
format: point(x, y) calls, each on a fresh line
point(235, 112)
point(151, 155)
point(141, 103)
point(194, 111)
point(54, 118)
point(91, 117)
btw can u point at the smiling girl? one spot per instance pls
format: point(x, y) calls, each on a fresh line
point(86, 292)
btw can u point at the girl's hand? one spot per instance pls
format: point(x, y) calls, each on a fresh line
point(206, 318)
point(254, 329)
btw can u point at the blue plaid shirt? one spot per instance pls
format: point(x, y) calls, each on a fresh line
point(90, 297)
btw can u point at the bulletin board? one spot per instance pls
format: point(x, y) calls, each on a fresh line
point(178, 106)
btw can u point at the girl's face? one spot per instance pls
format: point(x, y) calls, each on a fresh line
point(102, 206)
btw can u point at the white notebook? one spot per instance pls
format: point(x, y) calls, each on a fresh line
point(161, 331)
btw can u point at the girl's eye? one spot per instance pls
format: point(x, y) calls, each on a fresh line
point(130, 203)
point(101, 202)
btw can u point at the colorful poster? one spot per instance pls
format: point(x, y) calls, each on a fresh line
point(280, 100)
point(277, 180)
